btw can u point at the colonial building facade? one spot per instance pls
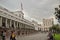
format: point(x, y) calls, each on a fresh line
point(47, 23)
point(36, 25)
point(14, 20)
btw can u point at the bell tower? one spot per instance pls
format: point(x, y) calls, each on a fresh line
point(21, 6)
point(21, 14)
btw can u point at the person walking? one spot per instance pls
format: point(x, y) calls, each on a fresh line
point(12, 37)
point(50, 35)
point(3, 35)
point(18, 32)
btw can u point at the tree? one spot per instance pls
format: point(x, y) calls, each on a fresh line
point(57, 13)
point(55, 28)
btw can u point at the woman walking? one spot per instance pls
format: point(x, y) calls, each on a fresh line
point(12, 37)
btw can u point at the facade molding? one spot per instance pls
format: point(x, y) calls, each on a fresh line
point(10, 15)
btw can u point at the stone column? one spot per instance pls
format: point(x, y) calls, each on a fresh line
point(14, 25)
point(17, 24)
point(10, 23)
point(20, 25)
point(0, 21)
point(24, 29)
point(6, 24)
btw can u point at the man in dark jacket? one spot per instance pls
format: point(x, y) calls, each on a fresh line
point(50, 36)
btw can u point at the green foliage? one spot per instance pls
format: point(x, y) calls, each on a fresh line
point(55, 28)
point(57, 13)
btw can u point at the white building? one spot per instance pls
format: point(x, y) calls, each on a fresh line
point(13, 19)
point(36, 25)
point(19, 14)
point(47, 23)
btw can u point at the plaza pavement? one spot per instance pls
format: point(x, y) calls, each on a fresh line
point(38, 36)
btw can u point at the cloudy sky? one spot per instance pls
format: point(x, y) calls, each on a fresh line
point(33, 9)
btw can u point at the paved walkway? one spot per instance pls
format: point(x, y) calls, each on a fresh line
point(38, 36)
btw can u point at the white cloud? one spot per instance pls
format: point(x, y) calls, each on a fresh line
point(36, 9)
